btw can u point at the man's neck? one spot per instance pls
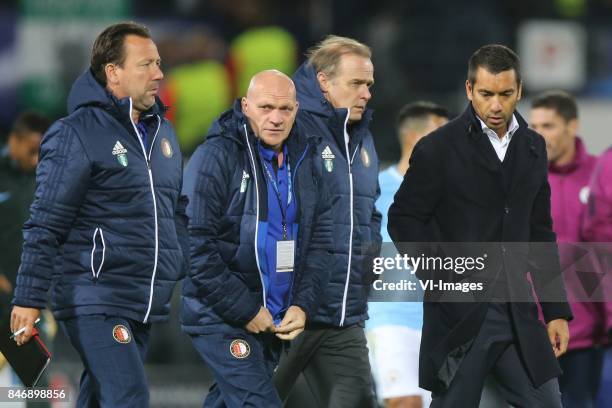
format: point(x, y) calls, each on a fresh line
point(404, 163)
point(567, 157)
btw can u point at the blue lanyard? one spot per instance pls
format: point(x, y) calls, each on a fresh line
point(277, 190)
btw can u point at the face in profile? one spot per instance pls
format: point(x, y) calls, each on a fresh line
point(350, 86)
point(494, 97)
point(557, 132)
point(140, 74)
point(270, 107)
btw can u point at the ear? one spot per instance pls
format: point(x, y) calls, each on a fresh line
point(468, 89)
point(112, 76)
point(244, 104)
point(520, 91)
point(573, 126)
point(323, 82)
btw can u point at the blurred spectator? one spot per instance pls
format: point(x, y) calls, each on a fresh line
point(597, 227)
point(394, 328)
point(554, 115)
point(18, 160)
point(199, 93)
point(259, 49)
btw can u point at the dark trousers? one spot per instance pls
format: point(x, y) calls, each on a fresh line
point(494, 353)
point(243, 378)
point(114, 374)
point(581, 377)
point(335, 364)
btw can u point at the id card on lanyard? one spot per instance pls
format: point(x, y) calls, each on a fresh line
point(285, 253)
point(285, 248)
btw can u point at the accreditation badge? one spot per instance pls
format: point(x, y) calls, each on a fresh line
point(285, 254)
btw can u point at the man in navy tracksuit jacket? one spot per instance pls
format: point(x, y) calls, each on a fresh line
point(255, 202)
point(107, 229)
point(333, 91)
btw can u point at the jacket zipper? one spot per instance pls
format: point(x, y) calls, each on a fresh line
point(148, 160)
point(350, 254)
point(252, 157)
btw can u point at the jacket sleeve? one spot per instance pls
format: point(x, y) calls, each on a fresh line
point(62, 178)
point(181, 221)
point(308, 292)
point(206, 185)
point(544, 256)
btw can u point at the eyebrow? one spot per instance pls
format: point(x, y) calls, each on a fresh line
point(363, 81)
point(150, 60)
point(509, 90)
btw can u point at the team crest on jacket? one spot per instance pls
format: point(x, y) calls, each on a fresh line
point(328, 159)
point(584, 194)
point(365, 157)
point(240, 348)
point(121, 334)
point(245, 181)
point(120, 153)
point(166, 148)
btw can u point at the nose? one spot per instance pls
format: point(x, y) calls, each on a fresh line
point(366, 94)
point(276, 118)
point(496, 106)
point(158, 74)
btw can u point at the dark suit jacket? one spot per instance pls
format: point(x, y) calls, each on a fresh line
point(457, 190)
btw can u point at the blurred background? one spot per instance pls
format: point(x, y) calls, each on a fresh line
point(210, 49)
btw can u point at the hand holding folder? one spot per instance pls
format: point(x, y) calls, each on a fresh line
point(30, 360)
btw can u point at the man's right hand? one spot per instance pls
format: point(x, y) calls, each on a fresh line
point(23, 317)
point(262, 322)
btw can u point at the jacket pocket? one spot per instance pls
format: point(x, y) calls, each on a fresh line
point(98, 252)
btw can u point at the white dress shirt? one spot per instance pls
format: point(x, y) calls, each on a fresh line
point(500, 144)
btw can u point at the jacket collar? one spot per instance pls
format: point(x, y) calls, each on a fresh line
point(87, 91)
point(312, 100)
point(232, 124)
point(522, 151)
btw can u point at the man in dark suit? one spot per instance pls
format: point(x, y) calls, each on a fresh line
point(482, 178)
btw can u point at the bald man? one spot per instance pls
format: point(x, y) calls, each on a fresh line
point(260, 231)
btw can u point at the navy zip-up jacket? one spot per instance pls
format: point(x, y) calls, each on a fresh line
point(351, 173)
point(228, 220)
point(107, 228)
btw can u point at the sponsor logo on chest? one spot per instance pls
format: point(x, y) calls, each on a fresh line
point(328, 159)
point(120, 153)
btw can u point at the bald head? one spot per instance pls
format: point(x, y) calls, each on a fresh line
point(270, 106)
point(271, 81)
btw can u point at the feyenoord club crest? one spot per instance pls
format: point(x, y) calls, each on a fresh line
point(584, 194)
point(166, 148)
point(365, 157)
point(120, 153)
point(328, 159)
point(240, 348)
point(121, 334)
